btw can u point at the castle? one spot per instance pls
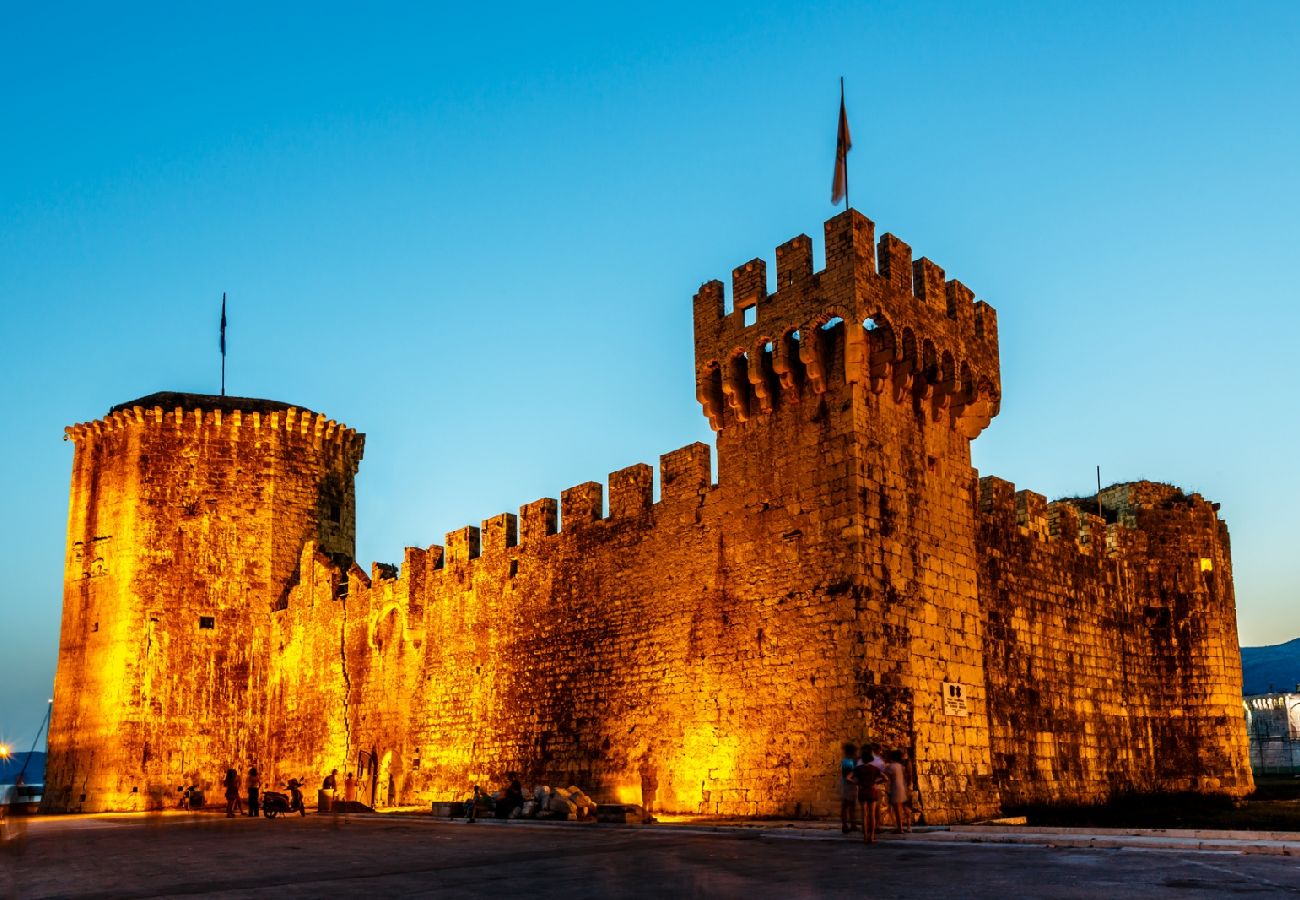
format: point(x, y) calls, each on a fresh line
point(848, 576)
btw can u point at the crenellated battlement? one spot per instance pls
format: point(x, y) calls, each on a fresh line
point(1118, 530)
point(872, 316)
point(1059, 521)
point(236, 417)
point(684, 476)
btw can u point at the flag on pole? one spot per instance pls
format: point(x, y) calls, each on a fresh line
point(223, 343)
point(843, 144)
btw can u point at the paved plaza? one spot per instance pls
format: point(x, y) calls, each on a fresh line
point(203, 855)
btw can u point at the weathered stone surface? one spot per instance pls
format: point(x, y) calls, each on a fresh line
point(846, 577)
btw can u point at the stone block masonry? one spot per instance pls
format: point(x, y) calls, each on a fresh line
point(849, 576)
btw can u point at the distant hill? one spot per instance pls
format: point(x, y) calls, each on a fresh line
point(35, 774)
point(1278, 666)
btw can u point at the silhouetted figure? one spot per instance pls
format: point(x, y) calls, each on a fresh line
point(649, 789)
point(254, 791)
point(231, 784)
point(512, 797)
point(331, 781)
point(848, 791)
point(350, 789)
point(869, 780)
point(897, 777)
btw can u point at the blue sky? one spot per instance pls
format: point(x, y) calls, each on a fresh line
point(475, 236)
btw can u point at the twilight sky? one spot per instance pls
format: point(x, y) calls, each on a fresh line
point(475, 237)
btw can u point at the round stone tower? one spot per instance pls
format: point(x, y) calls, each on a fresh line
point(188, 515)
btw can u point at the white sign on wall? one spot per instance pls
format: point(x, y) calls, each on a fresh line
point(954, 699)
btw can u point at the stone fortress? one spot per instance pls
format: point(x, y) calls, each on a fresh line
point(848, 576)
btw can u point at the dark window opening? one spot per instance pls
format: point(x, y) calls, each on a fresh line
point(336, 513)
point(207, 622)
point(514, 567)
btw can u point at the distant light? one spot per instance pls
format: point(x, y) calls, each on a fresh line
point(4, 751)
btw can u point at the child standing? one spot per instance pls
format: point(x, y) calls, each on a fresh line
point(896, 780)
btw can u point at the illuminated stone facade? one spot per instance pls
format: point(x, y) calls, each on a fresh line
point(847, 577)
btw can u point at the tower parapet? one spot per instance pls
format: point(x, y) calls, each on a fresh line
point(906, 330)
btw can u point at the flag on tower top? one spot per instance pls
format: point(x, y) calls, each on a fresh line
point(843, 144)
point(223, 343)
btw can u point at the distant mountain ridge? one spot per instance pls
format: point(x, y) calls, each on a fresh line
point(35, 774)
point(1268, 669)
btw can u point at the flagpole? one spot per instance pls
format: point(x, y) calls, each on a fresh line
point(223, 343)
point(846, 156)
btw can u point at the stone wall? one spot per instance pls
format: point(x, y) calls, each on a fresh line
point(1111, 648)
point(185, 529)
point(705, 651)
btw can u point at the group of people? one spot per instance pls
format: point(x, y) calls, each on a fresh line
point(235, 791)
point(873, 778)
point(331, 784)
point(251, 787)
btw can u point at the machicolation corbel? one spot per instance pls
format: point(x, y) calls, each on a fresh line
point(871, 316)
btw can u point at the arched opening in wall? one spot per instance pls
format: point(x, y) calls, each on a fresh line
point(908, 352)
point(947, 373)
point(881, 344)
point(738, 384)
point(966, 385)
point(741, 392)
point(880, 334)
point(929, 363)
point(790, 360)
point(765, 359)
point(831, 339)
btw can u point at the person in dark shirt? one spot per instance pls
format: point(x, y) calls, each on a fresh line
point(512, 798)
point(254, 786)
point(231, 782)
point(869, 780)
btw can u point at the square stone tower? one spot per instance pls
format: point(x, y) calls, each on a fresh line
point(854, 392)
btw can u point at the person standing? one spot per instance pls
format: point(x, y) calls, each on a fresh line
point(848, 791)
point(350, 789)
point(879, 762)
point(868, 778)
point(231, 784)
point(254, 791)
point(896, 780)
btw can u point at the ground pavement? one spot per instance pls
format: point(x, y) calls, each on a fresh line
point(380, 856)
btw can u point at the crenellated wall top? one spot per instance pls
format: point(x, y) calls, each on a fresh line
point(169, 409)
